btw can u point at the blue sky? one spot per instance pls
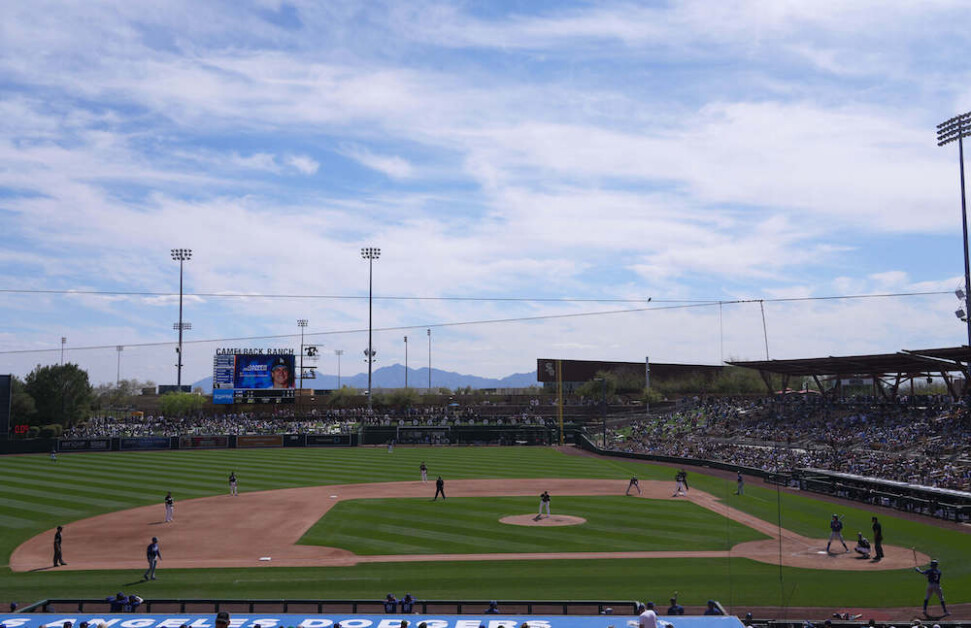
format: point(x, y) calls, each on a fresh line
point(554, 153)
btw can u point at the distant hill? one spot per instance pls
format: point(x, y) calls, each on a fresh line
point(394, 377)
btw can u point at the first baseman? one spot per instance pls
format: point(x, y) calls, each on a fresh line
point(933, 575)
point(681, 478)
point(58, 557)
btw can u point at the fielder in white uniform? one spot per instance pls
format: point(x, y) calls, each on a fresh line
point(424, 473)
point(232, 484)
point(544, 502)
point(169, 507)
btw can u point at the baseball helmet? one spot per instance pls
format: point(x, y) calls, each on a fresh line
point(934, 562)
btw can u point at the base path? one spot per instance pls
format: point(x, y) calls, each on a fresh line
point(226, 531)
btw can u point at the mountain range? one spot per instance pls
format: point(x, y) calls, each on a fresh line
point(394, 377)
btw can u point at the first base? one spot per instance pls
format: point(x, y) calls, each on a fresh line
point(265, 558)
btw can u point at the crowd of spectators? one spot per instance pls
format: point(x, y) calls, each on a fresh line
point(334, 421)
point(924, 441)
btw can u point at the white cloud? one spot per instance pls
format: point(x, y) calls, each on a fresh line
point(392, 166)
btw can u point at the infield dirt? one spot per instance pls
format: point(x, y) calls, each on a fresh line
point(224, 531)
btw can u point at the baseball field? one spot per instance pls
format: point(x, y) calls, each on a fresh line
point(358, 523)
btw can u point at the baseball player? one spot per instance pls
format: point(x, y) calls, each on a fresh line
point(933, 575)
point(424, 473)
point(153, 555)
point(681, 478)
point(633, 484)
point(740, 484)
point(439, 488)
point(169, 507)
point(58, 558)
point(54, 455)
point(647, 616)
point(836, 533)
point(862, 546)
point(232, 484)
point(544, 502)
point(390, 604)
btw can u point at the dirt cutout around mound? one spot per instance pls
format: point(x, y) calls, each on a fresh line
point(543, 522)
point(263, 528)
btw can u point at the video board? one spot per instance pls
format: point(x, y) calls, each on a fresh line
point(253, 376)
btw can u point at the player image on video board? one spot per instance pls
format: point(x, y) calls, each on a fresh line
point(264, 371)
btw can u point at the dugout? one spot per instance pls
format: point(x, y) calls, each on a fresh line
point(942, 503)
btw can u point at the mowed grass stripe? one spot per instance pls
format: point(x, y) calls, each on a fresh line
point(471, 525)
point(12, 488)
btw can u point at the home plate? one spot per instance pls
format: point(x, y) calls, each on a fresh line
point(265, 558)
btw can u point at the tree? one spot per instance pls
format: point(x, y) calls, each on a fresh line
point(594, 388)
point(22, 405)
point(175, 404)
point(61, 392)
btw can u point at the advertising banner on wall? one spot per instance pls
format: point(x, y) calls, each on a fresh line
point(271, 440)
point(327, 439)
point(146, 442)
point(84, 444)
point(203, 442)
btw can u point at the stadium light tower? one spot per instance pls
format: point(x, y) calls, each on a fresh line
point(338, 353)
point(369, 253)
point(406, 362)
point(958, 128)
point(429, 331)
point(181, 256)
point(302, 324)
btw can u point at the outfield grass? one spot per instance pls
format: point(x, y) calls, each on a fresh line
point(471, 526)
point(36, 494)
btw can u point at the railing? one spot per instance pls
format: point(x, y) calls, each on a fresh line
point(320, 607)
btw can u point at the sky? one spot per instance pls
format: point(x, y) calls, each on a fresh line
point(533, 172)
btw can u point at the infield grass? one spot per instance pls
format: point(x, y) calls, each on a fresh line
point(467, 525)
point(36, 495)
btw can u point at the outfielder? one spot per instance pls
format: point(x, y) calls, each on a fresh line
point(544, 502)
point(740, 482)
point(836, 533)
point(681, 478)
point(169, 507)
point(232, 484)
point(933, 575)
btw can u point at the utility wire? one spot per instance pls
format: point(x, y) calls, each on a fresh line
point(519, 319)
point(337, 297)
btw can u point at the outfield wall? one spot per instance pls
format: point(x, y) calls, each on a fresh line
point(354, 621)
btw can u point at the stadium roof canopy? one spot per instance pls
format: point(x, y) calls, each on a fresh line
point(944, 360)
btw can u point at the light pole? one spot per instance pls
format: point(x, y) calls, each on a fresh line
point(406, 362)
point(338, 353)
point(119, 349)
point(181, 256)
point(429, 359)
point(369, 253)
point(302, 324)
point(958, 128)
point(63, 342)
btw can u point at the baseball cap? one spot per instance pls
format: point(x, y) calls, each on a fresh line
point(277, 363)
point(222, 617)
point(154, 539)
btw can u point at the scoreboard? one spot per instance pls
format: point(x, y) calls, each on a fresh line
point(253, 376)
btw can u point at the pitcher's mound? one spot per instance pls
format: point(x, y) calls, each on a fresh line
point(552, 520)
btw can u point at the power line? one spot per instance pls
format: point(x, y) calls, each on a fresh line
point(519, 319)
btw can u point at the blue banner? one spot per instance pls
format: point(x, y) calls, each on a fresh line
point(271, 620)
